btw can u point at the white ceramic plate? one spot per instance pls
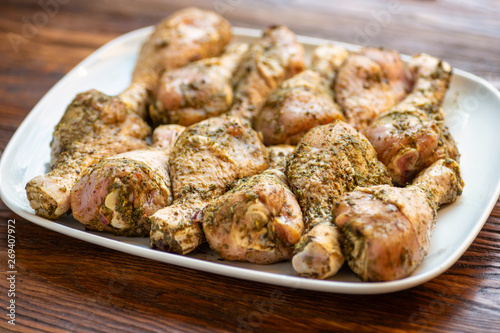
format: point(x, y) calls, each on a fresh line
point(472, 106)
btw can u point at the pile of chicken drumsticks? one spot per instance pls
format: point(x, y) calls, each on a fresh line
point(260, 155)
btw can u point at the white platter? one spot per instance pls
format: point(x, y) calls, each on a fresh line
point(472, 106)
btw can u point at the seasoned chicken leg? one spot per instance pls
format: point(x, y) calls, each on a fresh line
point(187, 35)
point(207, 157)
point(93, 127)
point(386, 230)
point(278, 155)
point(258, 220)
point(299, 104)
point(117, 194)
point(362, 91)
point(96, 126)
point(303, 101)
point(326, 60)
point(197, 91)
point(369, 83)
point(411, 136)
point(270, 60)
point(329, 161)
point(397, 74)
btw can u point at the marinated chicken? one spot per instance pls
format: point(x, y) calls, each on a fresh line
point(197, 91)
point(96, 125)
point(207, 157)
point(117, 194)
point(329, 161)
point(187, 35)
point(411, 136)
point(397, 73)
point(303, 101)
point(270, 60)
point(278, 155)
point(369, 83)
point(327, 200)
point(258, 220)
point(326, 60)
point(386, 230)
point(93, 127)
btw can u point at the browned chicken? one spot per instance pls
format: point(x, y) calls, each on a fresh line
point(411, 136)
point(93, 127)
point(369, 83)
point(197, 91)
point(386, 230)
point(303, 101)
point(117, 194)
point(187, 35)
point(207, 157)
point(258, 220)
point(329, 161)
point(270, 60)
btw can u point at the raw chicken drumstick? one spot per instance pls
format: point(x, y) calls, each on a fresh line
point(270, 60)
point(398, 76)
point(326, 60)
point(187, 35)
point(329, 161)
point(303, 101)
point(96, 125)
point(386, 230)
point(369, 83)
point(197, 91)
point(93, 127)
point(207, 157)
point(258, 220)
point(117, 194)
point(411, 136)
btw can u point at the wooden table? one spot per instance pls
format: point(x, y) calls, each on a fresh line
point(66, 285)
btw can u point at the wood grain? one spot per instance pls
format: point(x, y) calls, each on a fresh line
point(66, 285)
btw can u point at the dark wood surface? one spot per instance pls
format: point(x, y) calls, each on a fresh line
point(66, 285)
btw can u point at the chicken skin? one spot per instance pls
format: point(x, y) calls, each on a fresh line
point(96, 125)
point(396, 72)
point(301, 102)
point(258, 220)
point(369, 83)
point(207, 157)
point(329, 161)
point(117, 194)
point(93, 127)
point(411, 136)
point(362, 90)
point(270, 60)
point(187, 35)
point(386, 230)
point(278, 155)
point(197, 91)
point(326, 60)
